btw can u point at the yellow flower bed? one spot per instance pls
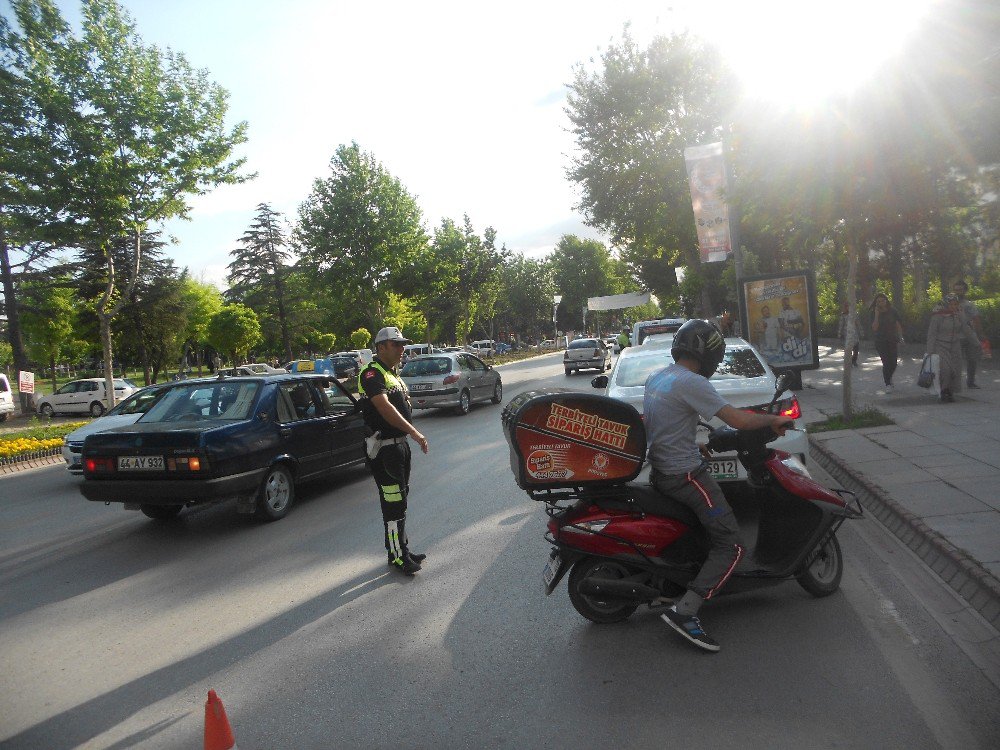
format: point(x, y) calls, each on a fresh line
point(26, 445)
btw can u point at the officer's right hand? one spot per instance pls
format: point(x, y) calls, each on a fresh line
point(421, 441)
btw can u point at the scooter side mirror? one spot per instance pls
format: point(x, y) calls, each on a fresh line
point(601, 381)
point(782, 383)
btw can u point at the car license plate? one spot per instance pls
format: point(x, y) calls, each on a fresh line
point(723, 469)
point(140, 463)
point(552, 569)
point(421, 387)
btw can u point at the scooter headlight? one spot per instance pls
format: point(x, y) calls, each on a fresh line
point(587, 527)
point(793, 463)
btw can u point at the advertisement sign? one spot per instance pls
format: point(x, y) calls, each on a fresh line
point(706, 170)
point(780, 315)
point(26, 381)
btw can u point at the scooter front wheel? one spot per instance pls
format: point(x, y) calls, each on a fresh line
point(594, 609)
point(822, 577)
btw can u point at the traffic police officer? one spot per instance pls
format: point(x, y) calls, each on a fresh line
point(385, 404)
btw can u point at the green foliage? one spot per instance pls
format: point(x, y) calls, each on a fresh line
point(359, 231)
point(48, 320)
point(360, 338)
point(581, 269)
point(868, 417)
point(235, 330)
point(403, 314)
point(6, 355)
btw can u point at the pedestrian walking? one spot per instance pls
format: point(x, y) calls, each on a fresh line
point(947, 330)
point(385, 405)
point(847, 332)
point(970, 351)
point(887, 327)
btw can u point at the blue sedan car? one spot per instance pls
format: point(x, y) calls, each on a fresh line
point(251, 439)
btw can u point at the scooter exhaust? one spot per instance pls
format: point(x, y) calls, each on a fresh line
point(605, 588)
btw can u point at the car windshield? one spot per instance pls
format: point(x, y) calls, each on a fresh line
point(139, 403)
point(738, 363)
point(428, 366)
point(584, 344)
point(204, 401)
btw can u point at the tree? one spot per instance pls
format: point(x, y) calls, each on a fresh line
point(259, 271)
point(48, 322)
point(632, 119)
point(581, 269)
point(360, 338)
point(201, 302)
point(525, 300)
point(139, 130)
point(359, 231)
point(234, 330)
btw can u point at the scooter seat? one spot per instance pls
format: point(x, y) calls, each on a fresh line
point(651, 501)
point(644, 497)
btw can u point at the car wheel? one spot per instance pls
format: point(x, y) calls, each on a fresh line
point(96, 409)
point(463, 403)
point(3, 417)
point(497, 393)
point(568, 372)
point(276, 493)
point(46, 410)
point(161, 512)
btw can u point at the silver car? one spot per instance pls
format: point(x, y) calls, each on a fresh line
point(126, 413)
point(450, 380)
point(743, 379)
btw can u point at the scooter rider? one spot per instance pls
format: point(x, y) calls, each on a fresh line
point(675, 397)
point(385, 405)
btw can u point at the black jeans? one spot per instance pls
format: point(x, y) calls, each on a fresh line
point(391, 470)
point(887, 350)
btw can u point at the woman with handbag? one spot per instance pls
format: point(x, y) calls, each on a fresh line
point(944, 337)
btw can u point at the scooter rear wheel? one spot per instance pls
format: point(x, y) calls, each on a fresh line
point(822, 577)
point(596, 610)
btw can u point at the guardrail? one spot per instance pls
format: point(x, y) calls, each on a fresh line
point(30, 456)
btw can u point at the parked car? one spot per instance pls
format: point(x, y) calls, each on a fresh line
point(451, 380)
point(586, 354)
point(547, 344)
point(85, 396)
point(484, 348)
point(213, 439)
point(127, 412)
point(345, 366)
point(744, 379)
point(354, 356)
point(6, 398)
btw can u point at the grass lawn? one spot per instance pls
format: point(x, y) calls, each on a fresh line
point(870, 417)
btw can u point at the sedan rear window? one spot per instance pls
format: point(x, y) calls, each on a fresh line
point(215, 401)
point(583, 344)
point(427, 366)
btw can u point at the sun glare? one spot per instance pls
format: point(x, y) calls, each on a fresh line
point(802, 51)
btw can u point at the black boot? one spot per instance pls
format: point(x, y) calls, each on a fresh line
point(416, 556)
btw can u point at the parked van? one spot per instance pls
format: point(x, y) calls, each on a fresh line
point(6, 398)
point(645, 328)
point(415, 350)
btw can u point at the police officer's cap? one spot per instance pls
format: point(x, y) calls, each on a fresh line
point(391, 334)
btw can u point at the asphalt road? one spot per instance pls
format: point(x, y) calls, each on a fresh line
point(114, 627)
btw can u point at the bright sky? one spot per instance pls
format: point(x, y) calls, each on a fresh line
point(462, 102)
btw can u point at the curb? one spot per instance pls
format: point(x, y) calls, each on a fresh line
point(30, 463)
point(964, 575)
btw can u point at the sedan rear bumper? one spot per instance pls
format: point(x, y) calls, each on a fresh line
point(171, 491)
point(434, 399)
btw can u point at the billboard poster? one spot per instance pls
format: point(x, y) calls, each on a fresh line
point(706, 170)
point(780, 314)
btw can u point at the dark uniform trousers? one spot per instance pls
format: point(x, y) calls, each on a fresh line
point(391, 469)
point(702, 494)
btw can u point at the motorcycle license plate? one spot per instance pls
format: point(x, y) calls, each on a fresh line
point(723, 469)
point(551, 571)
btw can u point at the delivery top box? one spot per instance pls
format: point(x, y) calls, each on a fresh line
point(561, 438)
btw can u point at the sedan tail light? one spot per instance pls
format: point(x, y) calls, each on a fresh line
point(184, 463)
point(99, 465)
point(451, 379)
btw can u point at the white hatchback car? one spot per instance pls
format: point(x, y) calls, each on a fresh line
point(85, 396)
point(743, 379)
point(6, 398)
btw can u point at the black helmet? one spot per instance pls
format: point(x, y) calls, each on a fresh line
point(701, 340)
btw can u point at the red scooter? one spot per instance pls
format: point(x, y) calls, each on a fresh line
point(624, 544)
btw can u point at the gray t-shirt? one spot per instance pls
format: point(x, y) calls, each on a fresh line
point(674, 398)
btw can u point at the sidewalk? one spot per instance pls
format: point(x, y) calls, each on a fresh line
point(932, 478)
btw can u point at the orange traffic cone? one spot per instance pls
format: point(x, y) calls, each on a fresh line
point(218, 734)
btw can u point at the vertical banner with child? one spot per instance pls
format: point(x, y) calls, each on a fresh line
point(780, 315)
